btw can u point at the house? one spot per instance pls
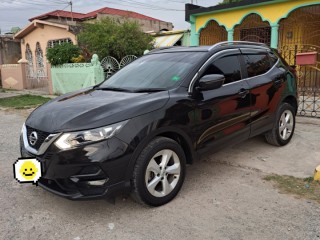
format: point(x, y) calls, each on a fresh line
point(146, 23)
point(274, 22)
point(65, 17)
point(290, 26)
point(40, 35)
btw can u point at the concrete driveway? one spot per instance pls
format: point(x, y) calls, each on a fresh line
point(224, 197)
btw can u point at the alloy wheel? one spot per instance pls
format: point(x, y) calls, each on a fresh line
point(286, 125)
point(163, 173)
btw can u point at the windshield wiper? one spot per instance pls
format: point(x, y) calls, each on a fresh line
point(149, 90)
point(113, 89)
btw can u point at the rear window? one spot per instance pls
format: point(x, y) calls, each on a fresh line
point(273, 58)
point(257, 64)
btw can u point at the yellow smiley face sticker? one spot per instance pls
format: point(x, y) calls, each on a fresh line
point(27, 170)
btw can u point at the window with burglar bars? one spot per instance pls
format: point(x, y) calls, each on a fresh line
point(53, 43)
point(259, 34)
point(39, 56)
point(254, 29)
point(29, 55)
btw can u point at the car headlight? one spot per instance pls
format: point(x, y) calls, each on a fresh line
point(73, 139)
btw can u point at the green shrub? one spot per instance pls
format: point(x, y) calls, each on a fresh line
point(108, 37)
point(62, 53)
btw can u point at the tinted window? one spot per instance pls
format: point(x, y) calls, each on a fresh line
point(257, 64)
point(155, 71)
point(273, 58)
point(228, 66)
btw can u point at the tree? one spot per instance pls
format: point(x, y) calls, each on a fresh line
point(108, 37)
point(62, 53)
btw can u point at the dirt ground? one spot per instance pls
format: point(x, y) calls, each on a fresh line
point(224, 197)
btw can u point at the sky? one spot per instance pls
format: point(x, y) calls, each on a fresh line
point(15, 13)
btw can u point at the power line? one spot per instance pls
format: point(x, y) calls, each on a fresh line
point(34, 3)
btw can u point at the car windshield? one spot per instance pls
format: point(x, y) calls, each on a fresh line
point(154, 72)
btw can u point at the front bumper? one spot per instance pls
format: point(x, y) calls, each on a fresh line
point(91, 171)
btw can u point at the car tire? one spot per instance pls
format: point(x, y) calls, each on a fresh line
point(283, 129)
point(159, 172)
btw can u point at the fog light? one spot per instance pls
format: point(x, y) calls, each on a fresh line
point(97, 182)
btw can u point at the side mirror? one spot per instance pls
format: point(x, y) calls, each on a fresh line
point(210, 82)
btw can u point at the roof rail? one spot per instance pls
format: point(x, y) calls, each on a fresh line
point(162, 48)
point(237, 43)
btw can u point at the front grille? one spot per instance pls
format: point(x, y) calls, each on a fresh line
point(41, 137)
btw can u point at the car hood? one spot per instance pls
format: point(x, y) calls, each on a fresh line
point(93, 108)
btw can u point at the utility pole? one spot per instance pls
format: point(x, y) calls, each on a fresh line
point(71, 10)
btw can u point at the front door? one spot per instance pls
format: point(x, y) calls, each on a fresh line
point(223, 115)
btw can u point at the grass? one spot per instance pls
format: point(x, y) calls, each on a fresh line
point(2, 90)
point(23, 101)
point(303, 188)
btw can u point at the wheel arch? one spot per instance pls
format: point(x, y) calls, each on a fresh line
point(170, 132)
point(182, 142)
point(292, 101)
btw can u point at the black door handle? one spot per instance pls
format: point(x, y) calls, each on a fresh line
point(243, 92)
point(278, 81)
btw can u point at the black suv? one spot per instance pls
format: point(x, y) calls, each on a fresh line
point(137, 131)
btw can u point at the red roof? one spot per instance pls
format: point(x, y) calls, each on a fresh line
point(119, 12)
point(59, 13)
point(81, 16)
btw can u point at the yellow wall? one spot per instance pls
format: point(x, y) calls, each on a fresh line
point(43, 35)
point(272, 13)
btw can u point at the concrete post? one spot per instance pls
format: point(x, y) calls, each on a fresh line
point(230, 35)
point(274, 35)
point(23, 63)
point(194, 37)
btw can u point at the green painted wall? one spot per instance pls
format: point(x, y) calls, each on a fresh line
point(74, 76)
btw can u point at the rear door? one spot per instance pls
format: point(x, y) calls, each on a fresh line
point(222, 116)
point(265, 81)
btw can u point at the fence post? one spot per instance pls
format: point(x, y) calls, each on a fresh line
point(50, 86)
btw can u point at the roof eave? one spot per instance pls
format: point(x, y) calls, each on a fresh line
point(36, 24)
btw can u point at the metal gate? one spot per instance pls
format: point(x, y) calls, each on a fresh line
point(37, 78)
point(308, 79)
